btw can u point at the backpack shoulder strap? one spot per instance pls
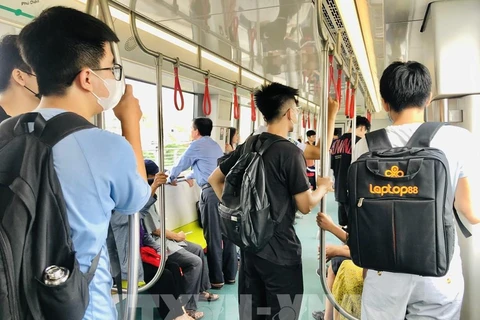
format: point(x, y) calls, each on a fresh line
point(61, 126)
point(466, 233)
point(424, 134)
point(378, 140)
point(267, 144)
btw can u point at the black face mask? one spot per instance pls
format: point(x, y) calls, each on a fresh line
point(37, 95)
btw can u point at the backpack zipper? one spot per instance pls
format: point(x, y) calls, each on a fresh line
point(10, 282)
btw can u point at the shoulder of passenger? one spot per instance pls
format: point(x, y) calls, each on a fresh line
point(102, 139)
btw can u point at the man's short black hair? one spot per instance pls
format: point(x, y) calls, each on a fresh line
point(406, 84)
point(311, 133)
point(203, 125)
point(10, 59)
point(362, 122)
point(59, 43)
point(271, 98)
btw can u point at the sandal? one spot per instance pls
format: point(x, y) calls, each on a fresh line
point(207, 296)
point(195, 314)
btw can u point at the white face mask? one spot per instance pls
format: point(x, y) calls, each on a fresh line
point(115, 92)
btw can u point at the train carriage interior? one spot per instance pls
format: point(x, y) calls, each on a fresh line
point(206, 57)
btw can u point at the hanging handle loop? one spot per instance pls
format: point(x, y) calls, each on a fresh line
point(252, 107)
point(369, 116)
point(331, 78)
point(315, 121)
point(347, 99)
point(352, 103)
point(308, 120)
point(177, 89)
point(207, 102)
point(304, 120)
point(339, 86)
point(236, 106)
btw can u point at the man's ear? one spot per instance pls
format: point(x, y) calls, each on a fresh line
point(84, 79)
point(19, 77)
point(385, 106)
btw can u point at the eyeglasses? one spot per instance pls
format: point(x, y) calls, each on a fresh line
point(116, 70)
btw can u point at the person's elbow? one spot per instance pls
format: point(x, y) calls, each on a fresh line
point(303, 202)
point(216, 178)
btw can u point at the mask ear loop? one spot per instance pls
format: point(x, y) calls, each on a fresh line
point(37, 95)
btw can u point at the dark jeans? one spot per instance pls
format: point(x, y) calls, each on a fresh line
point(221, 253)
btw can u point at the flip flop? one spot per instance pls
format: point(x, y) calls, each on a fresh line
point(207, 296)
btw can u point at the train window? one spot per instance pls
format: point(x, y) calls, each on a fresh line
point(177, 124)
point(245, 127)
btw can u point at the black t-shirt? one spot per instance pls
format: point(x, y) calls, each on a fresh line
point(3, 114)
point(285, 171)
point(341, 157)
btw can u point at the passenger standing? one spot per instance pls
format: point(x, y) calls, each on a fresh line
point(18, 85)
point(202, 156)
point(341, 157)
point(234, 137)
point(405, 88)
point(69, 52)
point(311, 138)
point(276, 270)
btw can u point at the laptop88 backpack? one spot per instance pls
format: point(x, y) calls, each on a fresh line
point(401, 206)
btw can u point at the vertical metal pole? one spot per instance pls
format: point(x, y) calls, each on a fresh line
point(133, 220)
point(324, 171)
point(159, 68)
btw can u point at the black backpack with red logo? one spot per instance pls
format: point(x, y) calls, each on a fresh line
point(401, 206)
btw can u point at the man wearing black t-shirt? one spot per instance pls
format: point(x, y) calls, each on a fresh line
point(341, 157)
point(18, 85)
point(276, 271)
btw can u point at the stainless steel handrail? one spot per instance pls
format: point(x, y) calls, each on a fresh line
point(324, 159)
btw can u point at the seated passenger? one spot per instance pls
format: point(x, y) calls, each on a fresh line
point(189, 256)
point(18, 85)
point(99, 171)
point(347, 289)
point(336, 254)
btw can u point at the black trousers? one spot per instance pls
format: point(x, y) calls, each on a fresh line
point(268, 290)
point(169, 284)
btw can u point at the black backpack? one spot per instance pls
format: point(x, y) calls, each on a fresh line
point(244, 209)
point(401, 206)
point(34, 228)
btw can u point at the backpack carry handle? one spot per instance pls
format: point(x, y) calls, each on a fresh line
point(21, 127)
point(400, 152)
point(413, 167)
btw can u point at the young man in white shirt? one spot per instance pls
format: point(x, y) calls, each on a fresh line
point(406, 91)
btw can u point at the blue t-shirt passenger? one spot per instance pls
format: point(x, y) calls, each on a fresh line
point(97, 171)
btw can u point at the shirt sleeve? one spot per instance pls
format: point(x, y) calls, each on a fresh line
point(360, 148)
point(129, 191)
point(186, 161)
point(295, 173)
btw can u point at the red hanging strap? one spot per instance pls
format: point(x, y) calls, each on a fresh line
point(369, 116)
point(252, 106)
point(352, 103)
point(331, 77)
point(347, 99)
point(308, 120)
point(207, 102)
point(315, 121)
point(236, 106)
point(339, 86)
point(304, 121)
point(177, 90)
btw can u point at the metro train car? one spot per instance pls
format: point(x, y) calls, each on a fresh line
point(205, 58)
